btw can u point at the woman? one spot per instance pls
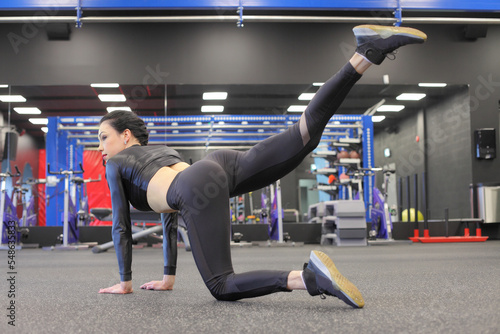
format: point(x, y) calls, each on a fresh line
point(155, 178)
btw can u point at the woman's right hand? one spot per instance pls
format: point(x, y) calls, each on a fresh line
point(166, 284)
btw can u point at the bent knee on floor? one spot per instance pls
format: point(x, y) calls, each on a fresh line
point(223, 289)
point(226, 297)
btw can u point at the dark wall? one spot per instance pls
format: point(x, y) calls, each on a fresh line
point(406, 154)
point(449, 162)
point(176, 53)
point(442, 152)
point(259, 53)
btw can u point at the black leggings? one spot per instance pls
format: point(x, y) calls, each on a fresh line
point(201, 192)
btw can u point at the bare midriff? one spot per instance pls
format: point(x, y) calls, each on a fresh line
point(159, 185)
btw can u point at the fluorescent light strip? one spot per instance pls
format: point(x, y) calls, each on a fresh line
point(212, 108)
point(431, 84)
point(215, 96)
point(27, 110)
point(104, 85)
point(390, 108)
point(318, 84)
point(410, 97)
point(112, 97)
point(376, 119)
point(12, 98)
point(43, 121)
point(306, 96)
point(4, 86)
point(110, 109)
point(296, 108)
point(45, 129)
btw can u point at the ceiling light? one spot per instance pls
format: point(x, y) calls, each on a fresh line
point(27, 110)
point(43, 121)
point(45, 129)
point(215, 96)
point(318, 84)
point(104, 85)
point(296, 108)
point(12, 98)
point(112, 97)
point(391, 108)
point(376, 119)
point(4, 86)
point(212, 108)
point(110, 109)
point(410, 97)
point(306, 96)
point(431, 84)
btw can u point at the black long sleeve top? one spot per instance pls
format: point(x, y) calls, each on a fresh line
point(128, 174)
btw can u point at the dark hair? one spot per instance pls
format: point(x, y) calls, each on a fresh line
point(121, 120)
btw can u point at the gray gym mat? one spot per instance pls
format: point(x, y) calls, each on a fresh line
point(419, 288)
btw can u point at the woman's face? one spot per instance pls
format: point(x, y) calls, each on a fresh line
point(110, 141)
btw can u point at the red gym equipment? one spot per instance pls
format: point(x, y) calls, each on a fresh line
point(426, 238)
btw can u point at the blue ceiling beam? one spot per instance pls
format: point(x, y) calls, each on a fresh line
point(442, 5)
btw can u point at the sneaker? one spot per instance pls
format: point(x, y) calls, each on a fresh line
point(321, 277)
point(375, 42)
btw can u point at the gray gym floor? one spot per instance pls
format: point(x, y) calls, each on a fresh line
point(419, 288)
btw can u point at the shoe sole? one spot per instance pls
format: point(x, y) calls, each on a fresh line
point(338, 286)
point(386, 31)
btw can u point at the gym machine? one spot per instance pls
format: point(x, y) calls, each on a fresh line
point(23, 192)
point(347, 141)
point(138, 233)
point(79, 215)
point(10, 222)
point(426, 238)
point(380, 213)
point(70, 219)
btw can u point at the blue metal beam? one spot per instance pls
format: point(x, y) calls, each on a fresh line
point(443, 5)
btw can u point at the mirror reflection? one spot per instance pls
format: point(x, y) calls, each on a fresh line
point(400, 115)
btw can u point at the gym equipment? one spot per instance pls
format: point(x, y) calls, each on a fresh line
point(409, 215)
point(70, 224)
point(343, 222)
point(446, 238)
point(272, 214)
point(426, 238)
point(80, 216)
point(237, 205)
point(264, 203)
point(276, 223)
point(143, 217)
point(29, 215)
point(380, 215)
point(137, 235)
point(354, 155)
point(237, 237)
point(8, 211)
point(268, 212)
point(343, 154)
point(408, 201)
point(352, 144)
point(484, 200)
